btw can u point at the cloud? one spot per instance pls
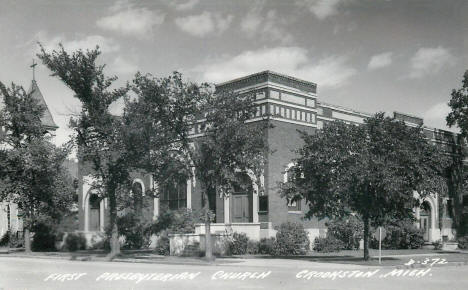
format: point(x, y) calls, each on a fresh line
point(321, 8)
point(84, 42)
point(123, 66)
point(332, 71)
point(204, 24)
point(265, 25)
point(429, 61)
point(183, 5)
point(380, 60)
point(435, 116)
point(130, 20)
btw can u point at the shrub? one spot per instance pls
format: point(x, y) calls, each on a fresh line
point(437, 245)
point(349, 232)
point(328, 244)
point(163, 247)
point(179, 221)
point(291, 239)
point(75, 242)
point(401, 235)
point(266, 246)
point(238, 244)
point(136, 232)
point(463, 242)
point(44, 238)
point(252, 247)
point(5, 239)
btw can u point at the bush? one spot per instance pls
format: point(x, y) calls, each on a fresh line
point(291, 239)
point(181, 221)
point(44, 238)
point(237, 245)
point(349, 232)
point(463, 242)
point(163, 247)
point(5, 239)
point(136, 232)
point(266, 246)
point(328, 244)
point(401, 235)
point(75, 242)
point(437, 245)
point(252, 247)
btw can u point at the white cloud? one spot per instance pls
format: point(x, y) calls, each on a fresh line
point(332, 71)
point(80, 42)
point(435, 116)
point(204, 24)
point(183, 5)
point(429, 61)
point(267, 26)
point(123, 66)
point(321, 8)
point(380, 60)
point(130, 20)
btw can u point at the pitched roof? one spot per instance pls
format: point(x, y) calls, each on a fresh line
point(46, 119)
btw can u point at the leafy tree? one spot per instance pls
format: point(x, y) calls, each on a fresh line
point(372, 170)
point(459, 105)
point(32, 174)
point(99, 134)
point(171, 107)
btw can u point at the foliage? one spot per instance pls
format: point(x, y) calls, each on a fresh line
point(463, 243)
point(237, 245)
point(163, 246)
point(75, 242)
point(328, 244)
point(291, 239)
point(5, 239)
point(32, 174)
point(135, 230)
point(266, 246)
point(458, 103)
point(179, 221)
point(371, 170)
point(253, 247)
point(401, 235)
point(44, 237)
point(438, 245)
point(348, 231)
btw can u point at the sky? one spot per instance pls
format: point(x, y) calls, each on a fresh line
point(369, 55)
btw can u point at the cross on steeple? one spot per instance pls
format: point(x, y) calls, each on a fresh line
point(33, 66)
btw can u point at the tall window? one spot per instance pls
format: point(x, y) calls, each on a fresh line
point(293, 204)
point(8, 217)
point(174, 195)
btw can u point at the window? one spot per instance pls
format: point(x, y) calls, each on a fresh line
point(293, 204)
point(174, 195)
point(263, 110)
point(263, 203)
point(8, 217)
point(288, 115)
point(282, 112)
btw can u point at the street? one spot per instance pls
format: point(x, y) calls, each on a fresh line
point(36, 273)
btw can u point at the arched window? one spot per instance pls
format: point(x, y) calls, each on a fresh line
point(293, 204)
point(94, 212)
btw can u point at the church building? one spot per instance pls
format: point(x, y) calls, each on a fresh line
point(289, 104)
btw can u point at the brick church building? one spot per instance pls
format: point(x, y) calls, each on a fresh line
point(289, 104)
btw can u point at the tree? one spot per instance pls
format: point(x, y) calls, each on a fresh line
point(32, 174)
point(171, 107)
point(99, 134)
point(372, 170)
point(459, 105)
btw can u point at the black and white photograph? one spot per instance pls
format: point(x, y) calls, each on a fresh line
point(233, 144)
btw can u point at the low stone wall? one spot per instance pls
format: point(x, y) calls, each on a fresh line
point(252, 230)
point(194, 244)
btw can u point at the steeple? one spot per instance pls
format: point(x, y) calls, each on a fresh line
point(46, 119)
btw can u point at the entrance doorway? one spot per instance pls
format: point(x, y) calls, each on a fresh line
point(94, 213)
point(241, 200)
point(425, 220)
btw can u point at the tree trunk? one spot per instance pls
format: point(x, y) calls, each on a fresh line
point(366, 238)
point(114, 239)
point(208, 244)
point(27, 241)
